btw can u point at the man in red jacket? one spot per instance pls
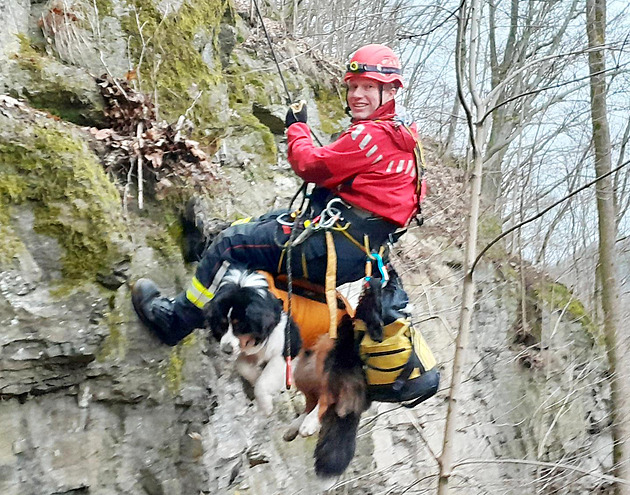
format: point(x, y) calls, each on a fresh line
point(369, 175)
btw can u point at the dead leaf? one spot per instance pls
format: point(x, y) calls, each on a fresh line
point(131, 75)
point(101, 134)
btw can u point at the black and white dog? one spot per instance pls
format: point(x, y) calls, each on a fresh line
point(246, 316)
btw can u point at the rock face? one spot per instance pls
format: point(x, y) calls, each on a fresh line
point(91, 403)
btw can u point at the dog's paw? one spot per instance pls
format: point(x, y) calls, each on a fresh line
point(310, 425)
point(327, 483)
point(294, 428)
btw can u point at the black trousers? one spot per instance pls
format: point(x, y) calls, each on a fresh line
point(259, 245)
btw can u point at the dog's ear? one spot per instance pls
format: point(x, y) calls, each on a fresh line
point(392, 274)
point(369, 309)
point(220, 306)
point(267, 313)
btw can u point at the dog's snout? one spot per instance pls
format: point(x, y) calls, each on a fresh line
point(229, 343)
point(246, 341)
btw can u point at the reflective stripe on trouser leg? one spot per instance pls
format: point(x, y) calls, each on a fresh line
point(199, 295)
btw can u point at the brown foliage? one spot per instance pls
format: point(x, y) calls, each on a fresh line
point(168, 156)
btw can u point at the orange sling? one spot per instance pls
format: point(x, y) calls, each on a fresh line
point(308, 306)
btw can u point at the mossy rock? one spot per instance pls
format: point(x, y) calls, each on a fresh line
point(67, 92)
point(181, 61)
point(48, 168)
point(489, 229)
point(331, 107)
point(560, 298)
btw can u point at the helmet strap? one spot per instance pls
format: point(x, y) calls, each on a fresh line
point(347, 110)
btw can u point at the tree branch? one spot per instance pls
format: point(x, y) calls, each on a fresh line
point(556, 465)
point(540, 90)
point(540, 214)
point(434, 28)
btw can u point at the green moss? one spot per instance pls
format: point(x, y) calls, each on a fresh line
point(560, 297)
point(116, 343)
point(10, 243)
point(104, 7)
point(489, 229)
point(331, 109)
point(247, 86)
point(172, 56)
point(168, 242)
point(65, 105)
point(72, 198)
point(174, 372)
point(266, 154)
point(30, 57)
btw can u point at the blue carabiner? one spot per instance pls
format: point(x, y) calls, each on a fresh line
point(381, 268)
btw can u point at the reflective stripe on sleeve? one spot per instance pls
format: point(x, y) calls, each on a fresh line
point(198, 294)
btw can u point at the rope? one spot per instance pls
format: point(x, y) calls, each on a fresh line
point(287, 338)
point(273, 54)
point(293, 230)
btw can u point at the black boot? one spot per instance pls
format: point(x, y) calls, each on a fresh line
point(156, 312)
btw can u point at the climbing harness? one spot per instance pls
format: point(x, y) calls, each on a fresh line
point(309, 308)
point(330, 219)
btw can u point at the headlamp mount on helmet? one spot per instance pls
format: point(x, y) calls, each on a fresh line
point(358, 68)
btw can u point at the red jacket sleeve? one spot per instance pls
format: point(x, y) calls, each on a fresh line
point(327, 166)
point(373, 161)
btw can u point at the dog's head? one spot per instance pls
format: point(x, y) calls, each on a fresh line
point(244, 304)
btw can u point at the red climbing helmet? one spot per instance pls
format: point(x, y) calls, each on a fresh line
point(377, 62)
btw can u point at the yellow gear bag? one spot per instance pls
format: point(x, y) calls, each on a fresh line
point(402, 367)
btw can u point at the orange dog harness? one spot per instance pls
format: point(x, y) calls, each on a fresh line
point(308, 306)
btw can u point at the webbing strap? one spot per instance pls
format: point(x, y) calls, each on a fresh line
point(331, 283)
point(355, 242)
point(418, 152)
point(412, 363)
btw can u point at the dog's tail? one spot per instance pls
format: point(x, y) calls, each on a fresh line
point(345, 398)
point(336, 443)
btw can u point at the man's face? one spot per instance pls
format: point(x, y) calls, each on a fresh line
point(364, 96)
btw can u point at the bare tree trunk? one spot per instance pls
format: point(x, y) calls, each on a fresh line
point(452, 124)
point(478, 141)
point(617, 355)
